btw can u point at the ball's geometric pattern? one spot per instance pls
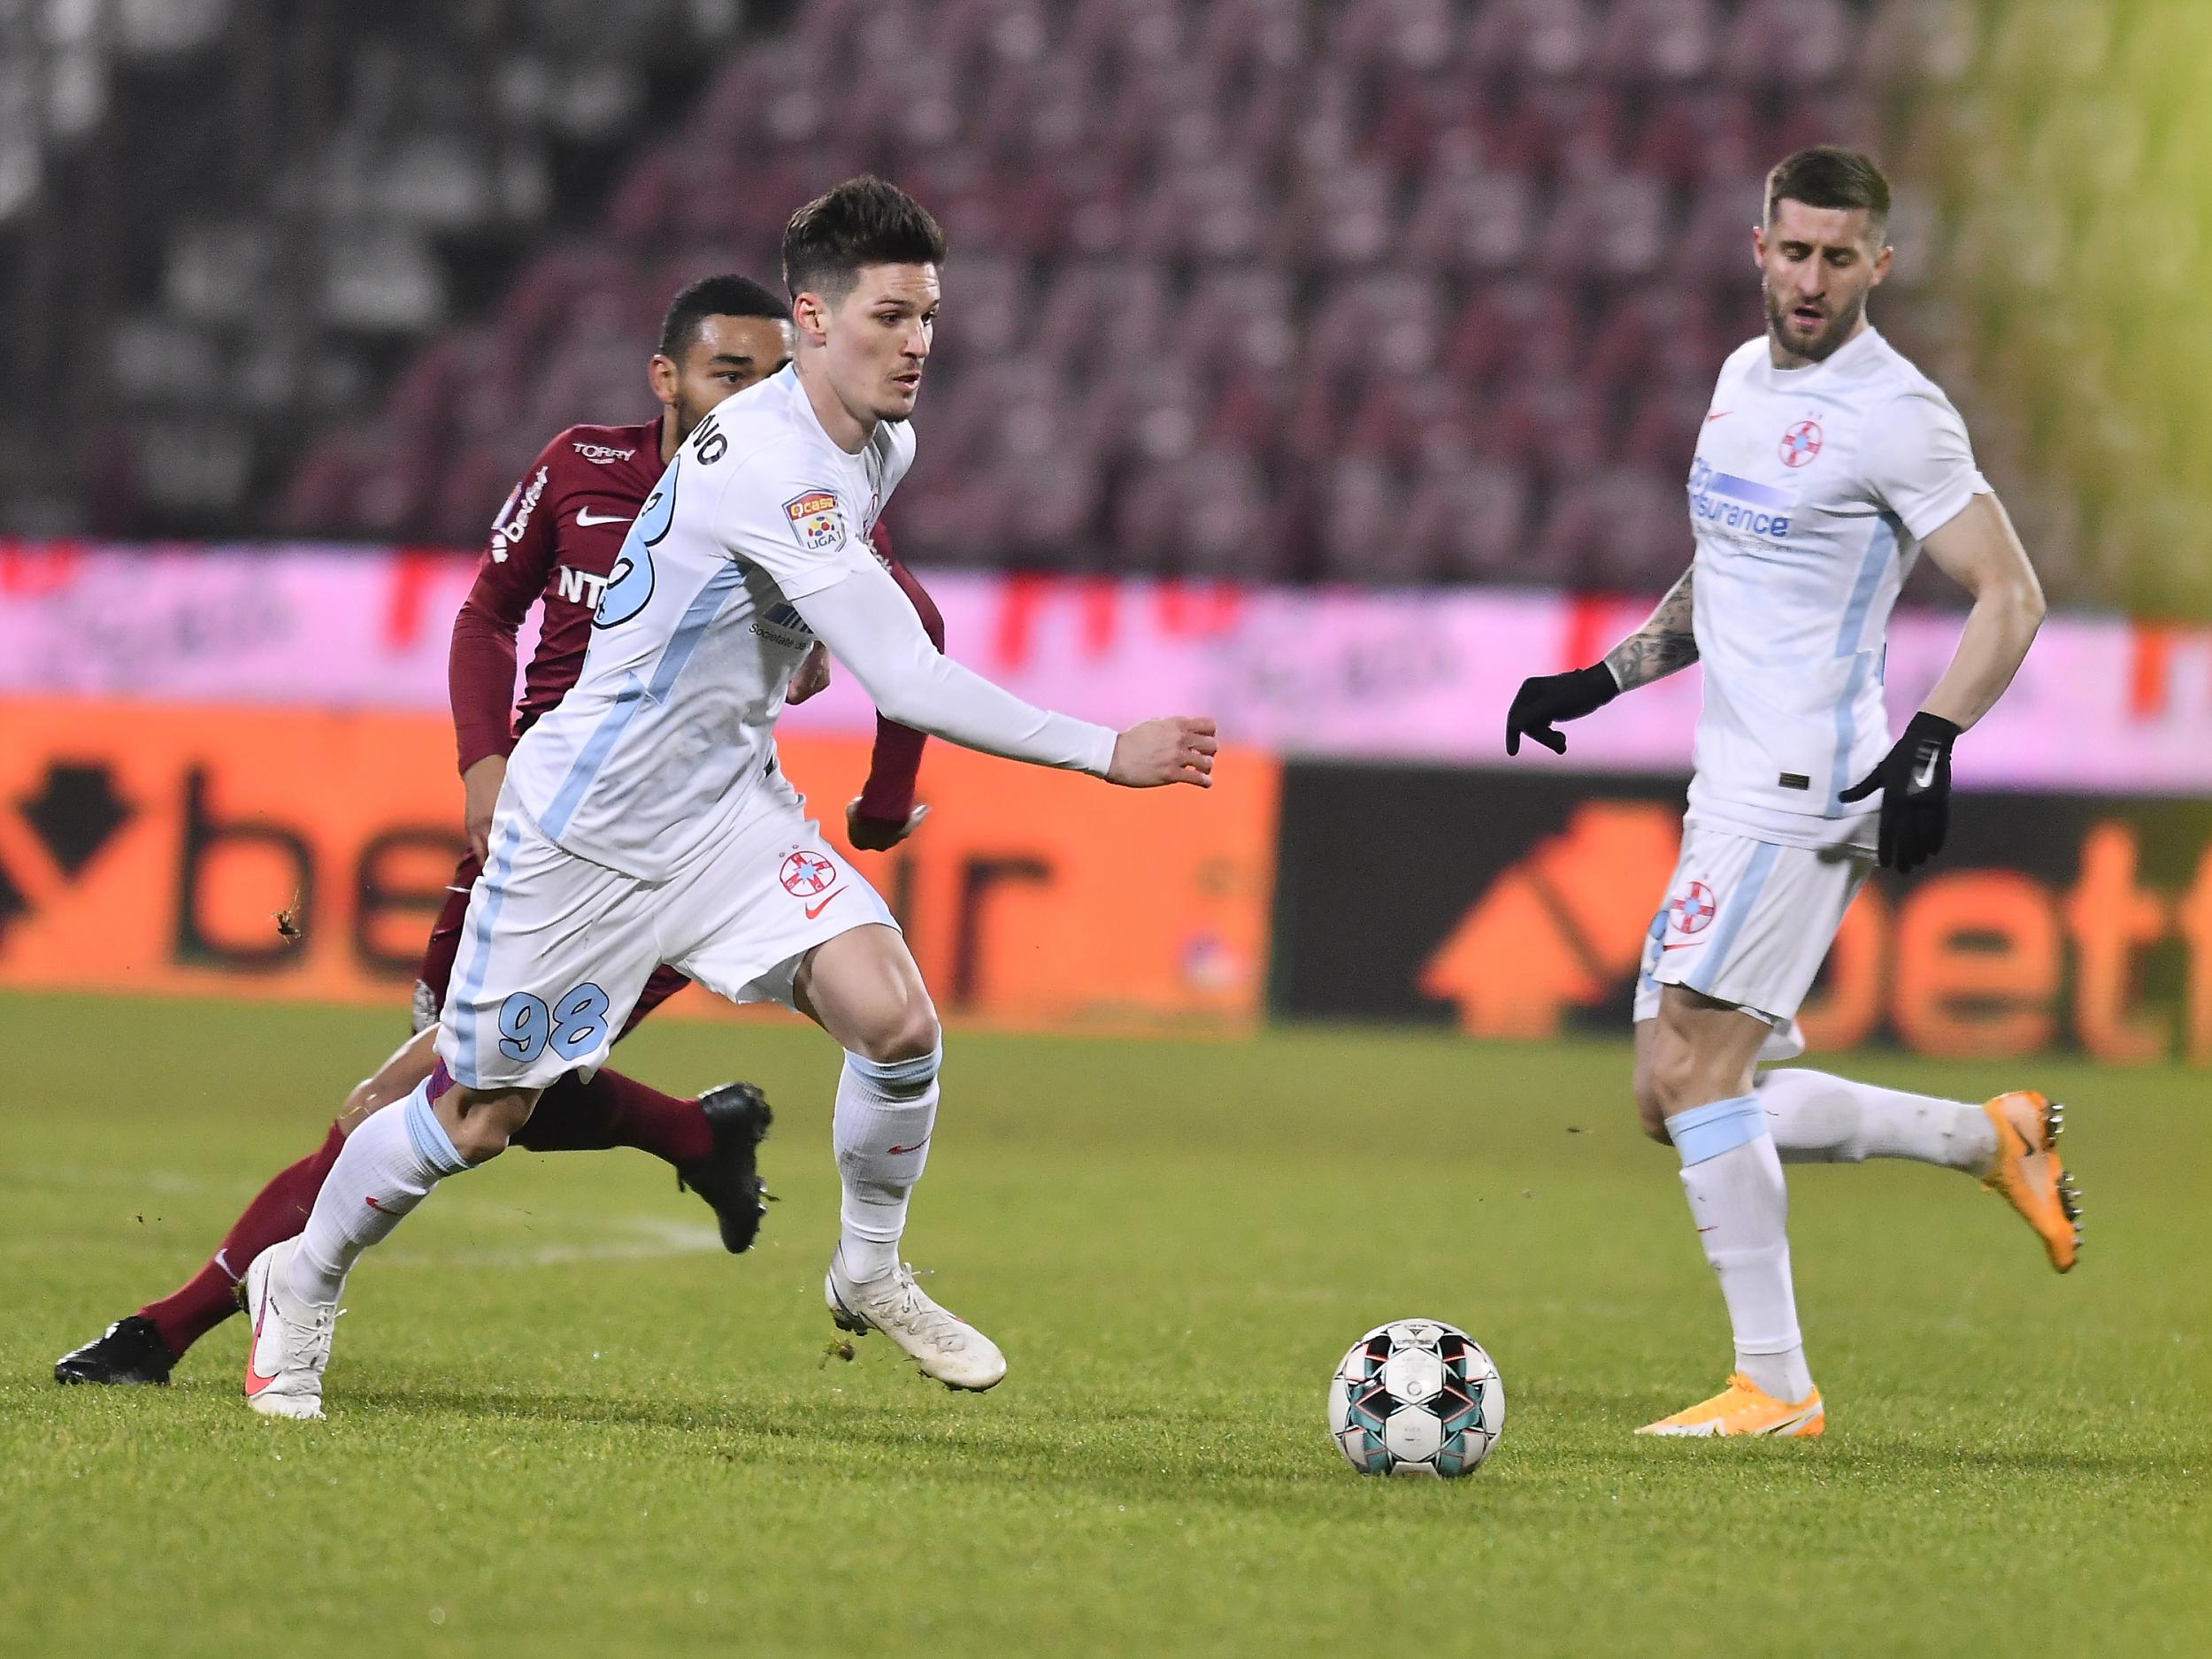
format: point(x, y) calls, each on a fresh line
point(1415, 1397)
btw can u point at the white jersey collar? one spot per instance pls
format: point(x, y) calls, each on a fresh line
point(1843, 360)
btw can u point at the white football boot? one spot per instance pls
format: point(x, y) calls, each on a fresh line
point(948, 1349)
point(291, 1339)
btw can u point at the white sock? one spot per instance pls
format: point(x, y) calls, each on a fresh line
point(885, 1112)
point(1816, 1119)
point(386, 1168)
point(1734, 1178)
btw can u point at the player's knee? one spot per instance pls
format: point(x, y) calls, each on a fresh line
point(480, 1126)
point(1668, 1082)
point(907, 1030)
point(481, 1138)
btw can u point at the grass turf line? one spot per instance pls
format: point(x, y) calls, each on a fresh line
point(562, 1422)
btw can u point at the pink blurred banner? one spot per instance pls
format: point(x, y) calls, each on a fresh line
point(2102, 704)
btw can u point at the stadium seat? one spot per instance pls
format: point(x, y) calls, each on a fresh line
point(1210, 259)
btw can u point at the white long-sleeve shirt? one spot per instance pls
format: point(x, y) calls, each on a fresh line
point(752, 546)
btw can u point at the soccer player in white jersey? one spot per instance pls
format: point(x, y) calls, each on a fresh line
point(645, 821)
point(1826, 464)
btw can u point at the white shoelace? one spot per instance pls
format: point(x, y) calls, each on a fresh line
point(316, 1332)
point(918, 1315)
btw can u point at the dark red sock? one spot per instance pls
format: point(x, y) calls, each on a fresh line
point(278, 1211)
point(614, 1111)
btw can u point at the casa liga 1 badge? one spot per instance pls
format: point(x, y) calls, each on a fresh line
point(816, 519)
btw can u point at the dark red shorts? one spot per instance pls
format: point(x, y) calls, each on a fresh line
point(445, 943)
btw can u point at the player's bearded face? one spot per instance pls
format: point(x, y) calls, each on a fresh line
point(878, 338)
point(1817, 266)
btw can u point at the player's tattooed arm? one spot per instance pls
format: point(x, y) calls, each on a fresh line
point(1663, 644)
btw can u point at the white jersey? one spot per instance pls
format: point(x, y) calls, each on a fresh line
point(1811, 492)
point(759, 509)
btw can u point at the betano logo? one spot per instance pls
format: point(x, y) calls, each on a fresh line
point(1965, 962)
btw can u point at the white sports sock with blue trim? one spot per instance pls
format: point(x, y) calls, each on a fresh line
point(386, 1168)
point(886, 1110)
point(1818, 1118)
point(1734, 1178)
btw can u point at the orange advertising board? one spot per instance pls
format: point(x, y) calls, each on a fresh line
point(173, 848)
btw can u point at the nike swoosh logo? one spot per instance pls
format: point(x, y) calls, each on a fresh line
point(1926, 777)
point(1685, 945)
point(1718, 414)
point(917, 1146)
point(586, 518)
point(255, 1381)
point(380, 1208)
point(813, 911)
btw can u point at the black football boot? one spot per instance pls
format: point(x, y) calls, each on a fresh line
point(128, 1351)
point(727, 1177)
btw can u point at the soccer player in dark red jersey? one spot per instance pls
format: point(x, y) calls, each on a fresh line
point(555, 543)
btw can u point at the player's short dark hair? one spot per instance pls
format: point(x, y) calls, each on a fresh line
point(1828, 175)
point(725, 296)
point(863, 221)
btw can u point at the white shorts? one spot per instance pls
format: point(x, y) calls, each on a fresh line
point(1749, 922)
point(555, 948)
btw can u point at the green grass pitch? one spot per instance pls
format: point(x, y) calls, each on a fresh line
point(561, 1423)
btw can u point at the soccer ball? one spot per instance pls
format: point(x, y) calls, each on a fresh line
point(1416, 1397)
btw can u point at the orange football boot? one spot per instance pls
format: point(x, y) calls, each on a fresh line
point(2029, 1174)
point(1743, 1407)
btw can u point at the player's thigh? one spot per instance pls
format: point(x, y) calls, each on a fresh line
point(1781, 1040)
point(864, 989)
point(552, 957)
point(1698, 1050)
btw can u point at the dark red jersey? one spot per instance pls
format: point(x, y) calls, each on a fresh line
point(555, 543)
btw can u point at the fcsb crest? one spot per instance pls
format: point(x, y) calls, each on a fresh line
point(805, 874)
point(1694, 911)
point(816, 521)
point(1800, 443)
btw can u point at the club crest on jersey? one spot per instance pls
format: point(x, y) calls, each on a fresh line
point(1800, 443)
point(816, 519)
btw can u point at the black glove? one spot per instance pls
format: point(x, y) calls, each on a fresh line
point(1545, 698)
point(1914, 778)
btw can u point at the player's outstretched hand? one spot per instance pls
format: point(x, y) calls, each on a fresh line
point(1544, 699)
point(1914, 778)
point(810, 678)
point(1177, 748)
point(878, 834)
